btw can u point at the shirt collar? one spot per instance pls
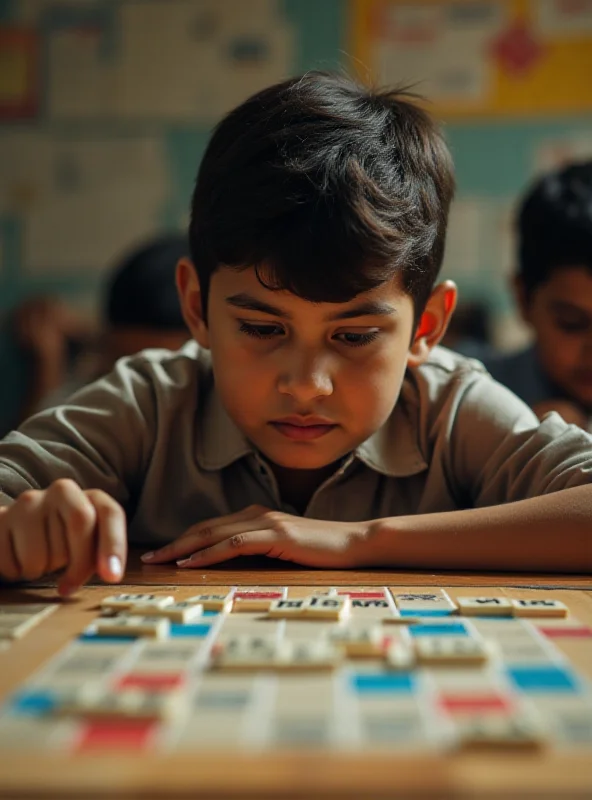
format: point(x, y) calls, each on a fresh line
point(392, 450)
point(219, 440)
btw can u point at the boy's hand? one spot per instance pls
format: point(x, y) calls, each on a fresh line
point(259, 531)
point(63, 527)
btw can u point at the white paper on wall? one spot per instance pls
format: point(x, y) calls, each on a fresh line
point(555, 18)
point(463, 255)
point(81, 82)
point(440, 48)
point(196, 59)
point(557, 152)
point(92, 199)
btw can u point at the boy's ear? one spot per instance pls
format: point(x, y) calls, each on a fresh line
point(190, 297)
point(433, 323)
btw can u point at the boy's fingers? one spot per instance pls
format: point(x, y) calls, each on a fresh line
point(249, 544)
point(79, 518)
point(9, 565)
point(29, 535)
point(208, 533)
point(111, 536)
point(201, 538)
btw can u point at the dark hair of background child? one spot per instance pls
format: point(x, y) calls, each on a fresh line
point(554, 225)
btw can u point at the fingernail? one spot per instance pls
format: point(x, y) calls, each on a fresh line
point(115, 567)
point(184, 562)
point(148, 556)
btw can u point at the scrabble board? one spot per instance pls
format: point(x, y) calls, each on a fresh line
point(268, 677)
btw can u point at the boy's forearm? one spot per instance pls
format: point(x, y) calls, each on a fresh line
point(551, 533)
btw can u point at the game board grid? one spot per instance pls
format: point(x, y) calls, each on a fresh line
point(271, 718)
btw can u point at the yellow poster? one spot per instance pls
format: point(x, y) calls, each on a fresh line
point(479, 57)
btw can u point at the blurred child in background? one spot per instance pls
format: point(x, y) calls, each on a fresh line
point(553, 288)
point(141, 310)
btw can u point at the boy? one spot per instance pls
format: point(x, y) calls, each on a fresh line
point(553, 287)
point(313, 419)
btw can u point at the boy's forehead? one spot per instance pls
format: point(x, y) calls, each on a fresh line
point(228, 284)
point(571, 286)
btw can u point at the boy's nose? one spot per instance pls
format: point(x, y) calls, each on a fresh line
point(305, 378)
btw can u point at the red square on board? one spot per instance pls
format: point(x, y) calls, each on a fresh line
point(127, 734)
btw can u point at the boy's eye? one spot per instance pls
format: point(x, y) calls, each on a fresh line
point(260, 331)
point(572, 326)
point(356, 339)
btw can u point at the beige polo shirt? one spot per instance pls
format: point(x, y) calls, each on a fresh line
point(154, 435)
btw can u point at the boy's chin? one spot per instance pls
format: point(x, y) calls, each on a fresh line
point(305, 460)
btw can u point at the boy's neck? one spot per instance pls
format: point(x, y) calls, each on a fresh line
point(297, 486)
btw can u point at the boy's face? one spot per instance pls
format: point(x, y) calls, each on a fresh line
point(560, 314)
point(306, 382)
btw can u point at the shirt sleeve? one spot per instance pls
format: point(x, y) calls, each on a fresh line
point(498, 452)
point(101, 439)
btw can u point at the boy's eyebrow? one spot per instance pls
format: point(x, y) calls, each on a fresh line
point(370, 308)
point(564, 305)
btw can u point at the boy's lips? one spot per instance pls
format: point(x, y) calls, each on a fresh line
point(303, 428)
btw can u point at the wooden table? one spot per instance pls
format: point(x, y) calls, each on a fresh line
point(287, 774)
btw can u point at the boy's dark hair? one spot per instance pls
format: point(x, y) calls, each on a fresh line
point(141, 291)
point(554, 224)
point(327, 188)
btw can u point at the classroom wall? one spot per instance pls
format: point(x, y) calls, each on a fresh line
point(87, 168)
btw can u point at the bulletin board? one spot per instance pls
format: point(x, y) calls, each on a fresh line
point(480, 58)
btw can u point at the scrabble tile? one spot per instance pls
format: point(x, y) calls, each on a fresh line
point(251, 605)
point(366, 642)
point(121, 601)
point(287, 609)
point(246, 653)
point(255, 601)
point(539, 608)
point(400, 656)
point(183, 611)
point(485, 606)
point(437, 603)
point(307, 656)
point(213, 602)
point(451, 650)
point(335, 608)
point(127, 704)
point(155, 627)
point(497, 730)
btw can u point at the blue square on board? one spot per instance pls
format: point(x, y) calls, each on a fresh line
point(544, 679)
point(178, 629)
point(433, 629)
point(33, 703)
point(385, 683)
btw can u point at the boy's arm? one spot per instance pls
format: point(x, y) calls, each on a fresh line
point(100, 439)
point(551, 533)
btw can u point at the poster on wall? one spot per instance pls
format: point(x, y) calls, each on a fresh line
point(18, 73)
point(166, 59)
point(480, 57)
